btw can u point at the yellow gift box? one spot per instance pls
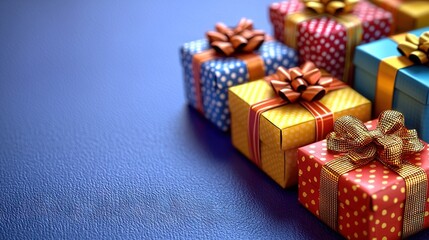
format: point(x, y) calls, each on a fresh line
point(408, 15)
point(285, 128)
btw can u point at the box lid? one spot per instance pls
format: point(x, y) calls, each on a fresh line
point(372, 185)
point(413, 80)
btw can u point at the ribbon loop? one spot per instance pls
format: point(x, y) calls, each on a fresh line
point(242, 38)
point(391, 140)
point(332, 7)
point(415, 48)
point(305, 82)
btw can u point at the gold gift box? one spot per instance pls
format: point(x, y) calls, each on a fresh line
point(408, 15)
point(284, 129)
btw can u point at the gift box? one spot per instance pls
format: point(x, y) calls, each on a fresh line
point(208, 72)
point(372, 196)
point(408, 15)
point(328, 38)
point(392, 81)
point(269, 122)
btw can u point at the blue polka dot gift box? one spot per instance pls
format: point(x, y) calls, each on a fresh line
point(228, 57)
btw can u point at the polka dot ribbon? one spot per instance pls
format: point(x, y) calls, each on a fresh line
point(305, 85)
point(415, 48)
point(332, 7)
point(389, 143)
point(242, 38)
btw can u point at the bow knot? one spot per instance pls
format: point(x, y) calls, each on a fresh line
point(389, 142)
point(332, 7)
point(242, 38)
point(416, 48)
point(304, 82)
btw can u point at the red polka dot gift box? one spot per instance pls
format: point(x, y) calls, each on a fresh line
point(228, 57)
point(328, 34)
point(367, 184)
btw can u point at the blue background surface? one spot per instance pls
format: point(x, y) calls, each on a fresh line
point(96, 138)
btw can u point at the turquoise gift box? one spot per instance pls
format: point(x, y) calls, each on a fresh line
point(391, 80)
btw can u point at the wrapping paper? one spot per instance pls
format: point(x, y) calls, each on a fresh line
point(371, 198)
point(218, 74)
point(323, 39)
point(408, 15)
point(410, 87)
point(284, 129)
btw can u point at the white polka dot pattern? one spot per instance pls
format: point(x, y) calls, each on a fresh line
point(186, 53)
point(323, 40)
point(371, 198)
point(218, 75)
point(278, 11)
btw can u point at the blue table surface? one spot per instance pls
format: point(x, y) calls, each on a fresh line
point(96, 139)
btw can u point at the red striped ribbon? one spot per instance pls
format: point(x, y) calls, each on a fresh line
point(322, 114)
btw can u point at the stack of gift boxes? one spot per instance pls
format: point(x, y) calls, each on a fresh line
point(299, 105)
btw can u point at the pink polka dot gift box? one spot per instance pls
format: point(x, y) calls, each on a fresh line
point(367, 181)
point(327, 32)
point(228, 57)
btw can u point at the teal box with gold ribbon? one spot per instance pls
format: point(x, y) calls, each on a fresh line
point(397, 79)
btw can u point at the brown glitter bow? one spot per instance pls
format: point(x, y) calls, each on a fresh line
point(305, 82)
point(332, 7)
point(242, 38)
point(389, 142)
point(416, 48)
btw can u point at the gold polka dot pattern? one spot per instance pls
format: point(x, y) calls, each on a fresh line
point(371, 198)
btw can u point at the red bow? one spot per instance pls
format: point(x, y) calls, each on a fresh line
point(305, 82)
point(242, 38)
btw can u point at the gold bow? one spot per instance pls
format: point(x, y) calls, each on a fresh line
point(389, 142)
point(332, 7)
point(416, 48)
point(242, 38)
point(304, 82)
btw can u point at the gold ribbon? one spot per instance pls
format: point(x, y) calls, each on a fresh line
point(338, 10)
point(389, 143)
point(332, 7)
point(305, 82)
point(242, 38)
point(415, 48)
point(404, 14)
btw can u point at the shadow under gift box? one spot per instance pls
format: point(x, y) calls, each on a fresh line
point(325, 39)
point(408, 15)
point(216, 75)
point(284, 129)
point(411, 85)
point(370, 198)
